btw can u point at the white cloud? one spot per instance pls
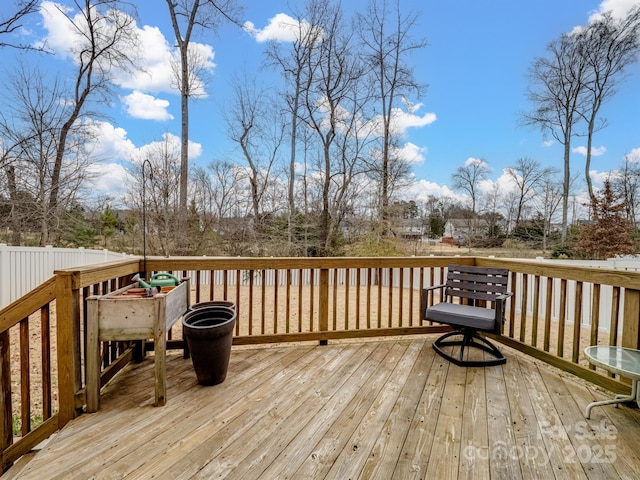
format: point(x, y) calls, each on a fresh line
point(109, 142)
point(422, 189)
point(60, 35)
point(599, 177)
point(596, 152)
point(170, 143)
point(147, 107)
point(411, 153)
point(618, 8)
point(633, 156)
point(476, 161)
point(155, 58)
point(547, 143)
point(404, 120)
point(109, 179)
point(281, 28)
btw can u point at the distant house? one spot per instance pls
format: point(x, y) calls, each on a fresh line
point(409, 228)
point(461, 229)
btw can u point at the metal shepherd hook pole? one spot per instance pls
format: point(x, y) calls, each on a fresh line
point(147, 164)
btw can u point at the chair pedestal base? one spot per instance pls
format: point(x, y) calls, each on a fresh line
point(470, 338)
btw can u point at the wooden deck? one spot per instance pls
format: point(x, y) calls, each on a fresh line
point(384, 409)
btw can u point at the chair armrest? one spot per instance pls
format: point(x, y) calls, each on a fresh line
point(503, 297)
point(500, 318)
point(434, 287)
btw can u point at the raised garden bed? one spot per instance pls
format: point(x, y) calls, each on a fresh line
point(131, 314)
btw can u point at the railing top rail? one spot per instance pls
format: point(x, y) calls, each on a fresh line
point(603, 276)
point(100, 272)
point(91, 274)
point(258, 263)
point(27, 304)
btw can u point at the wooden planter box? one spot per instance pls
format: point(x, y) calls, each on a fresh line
point(121, 316)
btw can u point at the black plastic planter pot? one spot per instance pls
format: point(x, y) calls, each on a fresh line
point(209, 335)
point(214, 303)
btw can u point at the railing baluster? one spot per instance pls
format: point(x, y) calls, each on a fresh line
point(562, 317)
point(358, 289)
point(276, 275)
point(6, 422)
point(45, 345)
point(347, 297)
point(323, 303)
point(250, 302)
point(390, 304)
point(300, 281)
point(547, 315)
point(615, 315)
point(523, 306)
point(288, 301)
point(334, 295)
point(577, 322)
point(369, 298)
point(400, 295)
point(25, 378)
point(239, 307)
point(312, 286)
point(535, 313)
point(379, 297)
point(595, 317)
point(263, 300)
point(411, 280)
point(512, 310)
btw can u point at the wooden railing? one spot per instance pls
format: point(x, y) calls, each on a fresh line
point(554, 313)
point(41, 350)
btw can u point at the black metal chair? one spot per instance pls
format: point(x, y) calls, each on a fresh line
point(474, 287)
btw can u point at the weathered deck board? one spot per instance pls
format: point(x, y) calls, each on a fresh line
point(373, 410)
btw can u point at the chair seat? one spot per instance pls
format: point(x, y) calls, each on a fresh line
point(462, 316)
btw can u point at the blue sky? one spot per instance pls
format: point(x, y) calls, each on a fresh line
point(475, 66)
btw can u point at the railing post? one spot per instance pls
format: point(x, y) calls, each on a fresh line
point(323, 307)
point(631, 320)
point(6, 423)
point(68, 343)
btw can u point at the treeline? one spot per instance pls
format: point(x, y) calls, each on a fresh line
point(321, 168)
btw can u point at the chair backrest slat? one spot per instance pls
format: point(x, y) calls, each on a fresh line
point(476, 283)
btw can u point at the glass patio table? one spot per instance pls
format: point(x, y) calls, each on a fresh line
point(620, 360)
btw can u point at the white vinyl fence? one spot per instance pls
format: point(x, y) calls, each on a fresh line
point(24, 268)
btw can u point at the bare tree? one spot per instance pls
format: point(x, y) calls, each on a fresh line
point(30, 127)
point(154, 191)
point(104, 40)
point(556, 92)
point(294, 65)
point(491, 215)
point(549, 199)
point(186, 16)
point(259, 133)
point(625, 182)
point(609, 46)
point(528, 175)
point(13, 22)
point(387, 44)
point(329, 104)
point(224, 208)
point(217, 193)
point(468, 177)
